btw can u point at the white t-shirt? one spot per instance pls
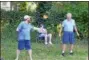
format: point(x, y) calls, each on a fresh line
point(68, 25)
point(42, 30)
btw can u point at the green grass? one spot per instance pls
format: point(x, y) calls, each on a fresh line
point(42, 52)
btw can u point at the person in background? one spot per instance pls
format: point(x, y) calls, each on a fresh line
point(59, 30)
point(24, 30)
point(69, 26)
point(43, 33)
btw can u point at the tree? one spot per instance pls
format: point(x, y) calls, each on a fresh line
point(79, 10)
point(22, 6)
point(42, 8)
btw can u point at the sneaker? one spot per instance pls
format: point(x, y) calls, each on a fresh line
point(16, 59)
point(50, 43)
point(46, 43)
point(30, 58)
point(63, 54)
point(71, 53)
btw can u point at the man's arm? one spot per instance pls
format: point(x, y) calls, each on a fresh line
point(36, 28)
point(76, 30)
point(19, 27)
point(39, 29)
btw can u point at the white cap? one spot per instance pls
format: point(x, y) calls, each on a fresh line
point(26, 17)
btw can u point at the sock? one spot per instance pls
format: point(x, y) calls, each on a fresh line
point(63, 52)
point(71, 51)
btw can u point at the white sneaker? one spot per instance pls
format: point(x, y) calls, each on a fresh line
point(50, 43)
point(30, 58)
point(16, 59)
point(46, 43)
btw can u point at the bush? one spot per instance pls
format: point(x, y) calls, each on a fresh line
point(56, 13)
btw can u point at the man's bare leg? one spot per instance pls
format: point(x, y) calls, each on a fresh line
point(46, 39)
point(71, 48)
point(30, 54)
point(87, 58)
point(17, 54)
point(63, 48)
point(50, 38)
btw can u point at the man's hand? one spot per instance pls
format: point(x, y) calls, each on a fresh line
point(35, 28)
point(76, 31)
point(42, 30)
point(17, 29)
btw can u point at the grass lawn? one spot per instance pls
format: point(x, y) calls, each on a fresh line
point(42, 52)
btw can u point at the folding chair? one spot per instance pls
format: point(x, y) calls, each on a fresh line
point(39, 38)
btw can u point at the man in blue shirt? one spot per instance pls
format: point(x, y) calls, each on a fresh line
point(68, 33)
point(23, 30)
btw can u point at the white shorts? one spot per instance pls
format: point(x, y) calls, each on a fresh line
point(42, 35)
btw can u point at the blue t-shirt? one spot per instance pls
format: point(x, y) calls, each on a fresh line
point(68, 25)
point(24, 31)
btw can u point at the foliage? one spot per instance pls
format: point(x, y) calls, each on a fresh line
point(56, 12)
point(79, 10)
point(22, 6)
point(42, 8)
